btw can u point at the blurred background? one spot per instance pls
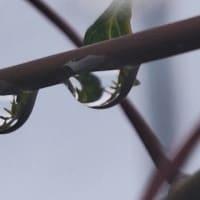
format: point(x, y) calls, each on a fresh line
point(68, 151)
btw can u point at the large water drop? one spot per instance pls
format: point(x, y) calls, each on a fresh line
point(102, 89)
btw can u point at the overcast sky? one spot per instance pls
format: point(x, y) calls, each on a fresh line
point(68, 151)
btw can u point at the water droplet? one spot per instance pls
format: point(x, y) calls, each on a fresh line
point(15, 110)
point(6, 118)
point(102, 89)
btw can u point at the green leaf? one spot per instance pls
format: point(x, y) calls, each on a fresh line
point(115, 22)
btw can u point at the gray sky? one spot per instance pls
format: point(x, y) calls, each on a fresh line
point(66, 150)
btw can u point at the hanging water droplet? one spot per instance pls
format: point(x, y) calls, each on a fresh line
point(6, 107)
point(15, 110)
point(102, 89)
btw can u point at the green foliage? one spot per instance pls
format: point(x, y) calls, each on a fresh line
point(114, 22)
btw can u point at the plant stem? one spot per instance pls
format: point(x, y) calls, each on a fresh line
point(170, 172)
point(146, 135)
point(57, 20)
point(133, 49)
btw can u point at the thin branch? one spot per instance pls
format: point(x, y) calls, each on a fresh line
point(171, 172)
point(153, 44)
point(57, 20)
point(146, 134)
